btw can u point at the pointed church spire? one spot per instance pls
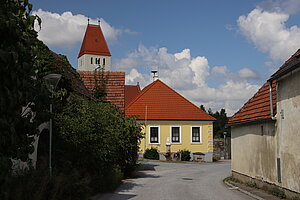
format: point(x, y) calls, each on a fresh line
point(94, 42)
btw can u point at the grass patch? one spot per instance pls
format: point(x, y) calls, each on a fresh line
point(232, 179)
point(252, 184)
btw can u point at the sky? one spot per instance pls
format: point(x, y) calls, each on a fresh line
point(213, 52)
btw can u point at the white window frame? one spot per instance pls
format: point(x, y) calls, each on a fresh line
point(149, 135)
point(180, 138)
point(200, 130)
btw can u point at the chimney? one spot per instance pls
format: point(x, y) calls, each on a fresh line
point(155, 75)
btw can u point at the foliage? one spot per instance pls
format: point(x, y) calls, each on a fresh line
point(252, 184)
point(216, 158)
point(67, 185)
point(276, 191)
point(100, 85)
point(232, 179)
point(98, 134)
point(19, 84)
point(185, 155)
point(219, 126)
point(151, 154)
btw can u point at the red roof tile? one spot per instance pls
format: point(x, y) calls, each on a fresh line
point(114, 86)
point(258, 107)
point(164, 103)
point(131, 91)
point(94, 42)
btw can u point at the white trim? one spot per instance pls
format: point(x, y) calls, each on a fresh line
point(191, 134)
point(180, 137)
point(150, 134)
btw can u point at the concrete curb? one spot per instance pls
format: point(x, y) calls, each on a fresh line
point(243, 191)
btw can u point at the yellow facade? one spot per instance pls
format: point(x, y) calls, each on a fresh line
point(205, 146)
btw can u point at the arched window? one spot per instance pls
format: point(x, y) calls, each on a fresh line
point(103, 61)
point(91, 60)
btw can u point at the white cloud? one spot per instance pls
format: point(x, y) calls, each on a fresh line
point(267, 30)
point(64, 30)
point(248, 74)
point(243, 74)
point(285, 6)
point(188, 76)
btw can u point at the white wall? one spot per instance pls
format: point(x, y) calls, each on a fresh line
point(84, 62)
point(288, 126)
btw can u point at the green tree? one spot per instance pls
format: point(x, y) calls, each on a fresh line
point(220, 124)
point(19, 86)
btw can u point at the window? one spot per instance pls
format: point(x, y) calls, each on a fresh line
point(103, 61)
point(98, 61)
point(154, 134)
point(175, 134)
point(196, 134)
point(91, 60)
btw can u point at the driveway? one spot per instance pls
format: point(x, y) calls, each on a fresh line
point(172, 181)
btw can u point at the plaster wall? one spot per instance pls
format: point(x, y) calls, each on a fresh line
point(84, 62)
point(254, 151)
point(288, 127)
point(206, 146)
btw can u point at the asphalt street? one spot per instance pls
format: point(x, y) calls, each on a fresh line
point(178, 181)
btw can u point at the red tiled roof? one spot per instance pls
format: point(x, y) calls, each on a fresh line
point(164, 103)
point(94, 42)
point(114, 86)
point(131, 91)
point(258, 107)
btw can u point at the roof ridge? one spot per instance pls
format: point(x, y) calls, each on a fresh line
point(140, 94)
point(187, 100)
point(171, 91)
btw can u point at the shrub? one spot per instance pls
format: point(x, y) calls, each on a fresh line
point(216, 158)
point(276, 191)
point(151, 154)
point(185, 155)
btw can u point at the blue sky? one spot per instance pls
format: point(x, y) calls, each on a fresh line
point(214, 52)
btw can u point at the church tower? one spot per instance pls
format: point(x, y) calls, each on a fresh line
point(94, 53)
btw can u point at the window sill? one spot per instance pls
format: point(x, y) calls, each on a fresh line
point(196, 142)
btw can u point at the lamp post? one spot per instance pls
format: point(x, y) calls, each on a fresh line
point(51, 81)
point(225, 145)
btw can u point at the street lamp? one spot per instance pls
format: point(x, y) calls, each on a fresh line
point(51, 81)
point(225, 145)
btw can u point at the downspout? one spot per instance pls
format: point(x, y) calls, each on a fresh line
point(146, 113)
point(271, 99)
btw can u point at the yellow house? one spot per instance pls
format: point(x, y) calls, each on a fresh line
point(171, 120)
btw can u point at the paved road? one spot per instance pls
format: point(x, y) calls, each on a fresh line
point(172, 181)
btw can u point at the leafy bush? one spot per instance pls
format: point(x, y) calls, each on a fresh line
point(276, 191)
point(185, 155)
point(216, 158)
point(151, 154)
point(98, 134)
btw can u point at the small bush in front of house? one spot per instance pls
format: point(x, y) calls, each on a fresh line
point(185, 155)
point(216, 158)
point(151, 154)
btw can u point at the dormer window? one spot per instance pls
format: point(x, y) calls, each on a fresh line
point(91, 60)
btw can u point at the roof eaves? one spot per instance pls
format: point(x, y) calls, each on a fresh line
point(251, 121)
point(291, 67)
